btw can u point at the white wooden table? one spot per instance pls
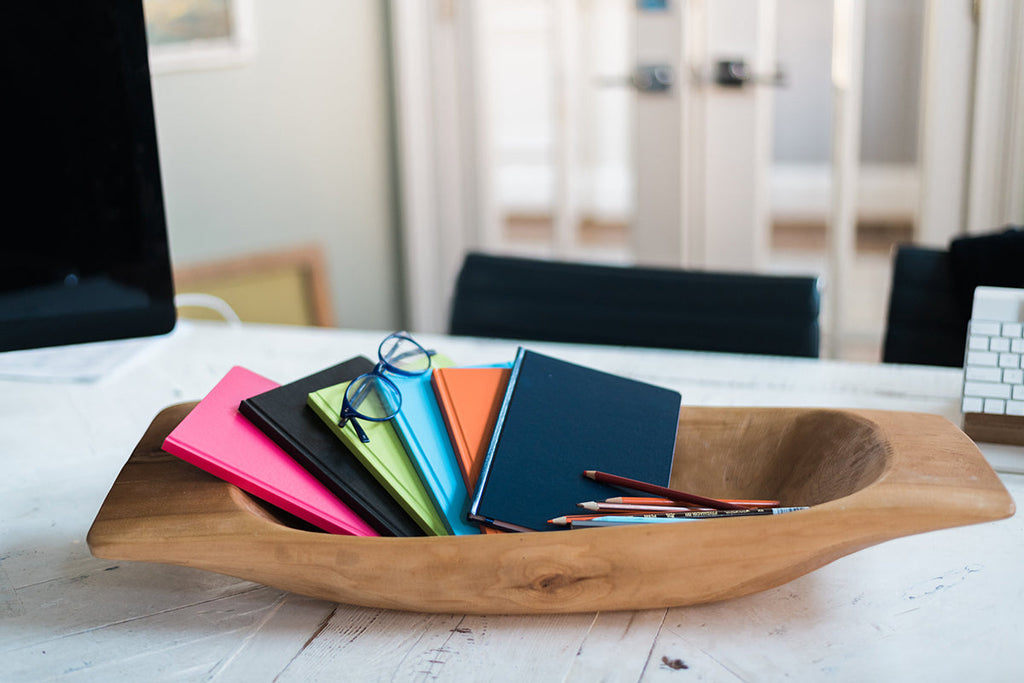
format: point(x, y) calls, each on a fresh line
point(943, 606)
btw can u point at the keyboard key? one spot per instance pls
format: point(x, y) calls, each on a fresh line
point(1013, 330)
point(986, 389)
point(977, 342)
point(979, 374)
point(1013, 377)
point(1018, 393)
point(999, 344)
point(1017, 345)
point(984, 358)
point(998, 304)
point(1009, 360)
point(1015, 408)
point(995, 406)
point(988, 328)
point(973, 405)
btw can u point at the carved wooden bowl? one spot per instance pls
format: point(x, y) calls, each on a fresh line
point(869, 476)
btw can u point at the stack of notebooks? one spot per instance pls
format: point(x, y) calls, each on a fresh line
point(472, 449)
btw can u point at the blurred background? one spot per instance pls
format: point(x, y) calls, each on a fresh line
point(331, 163)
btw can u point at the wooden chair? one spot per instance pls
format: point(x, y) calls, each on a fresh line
point(520, 298)
point(287, 286)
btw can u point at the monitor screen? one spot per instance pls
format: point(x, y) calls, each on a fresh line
point(83, 248)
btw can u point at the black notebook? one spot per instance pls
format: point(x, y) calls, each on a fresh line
point(559, 419)
point(282, 414)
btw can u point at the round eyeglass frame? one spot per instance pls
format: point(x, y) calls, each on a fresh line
point(391, 396)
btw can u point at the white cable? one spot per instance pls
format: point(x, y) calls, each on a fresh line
point(208, 301)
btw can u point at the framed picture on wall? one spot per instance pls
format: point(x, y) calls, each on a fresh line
point(198, 34)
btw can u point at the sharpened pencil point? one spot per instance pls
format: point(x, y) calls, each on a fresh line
point(589, 473)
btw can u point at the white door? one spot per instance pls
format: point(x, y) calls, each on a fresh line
point(703, 141)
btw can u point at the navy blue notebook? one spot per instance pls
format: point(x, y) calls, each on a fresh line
point(559, 419)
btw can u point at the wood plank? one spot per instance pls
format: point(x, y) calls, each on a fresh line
point(370, 644)
point(191, 642)
point(513, 647)
point(617, 646)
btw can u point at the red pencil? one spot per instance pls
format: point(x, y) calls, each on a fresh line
point(654, 500)
point(615, 480)
point(634, 507)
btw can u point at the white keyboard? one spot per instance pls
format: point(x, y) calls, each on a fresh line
point(993, 368)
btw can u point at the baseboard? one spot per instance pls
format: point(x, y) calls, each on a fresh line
point(798, 192)
point(886, 192)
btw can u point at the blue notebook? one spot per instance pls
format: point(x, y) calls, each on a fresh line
point(558, 419)
point(422, 429)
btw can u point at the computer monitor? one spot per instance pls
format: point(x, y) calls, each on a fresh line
point(83, 248)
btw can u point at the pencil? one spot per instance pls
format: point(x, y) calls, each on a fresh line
point(714, 514)
point(568, 519)
point(682, 496)
point(623, 521)
point(626, 507)
point(695, 515)
point(654, 500)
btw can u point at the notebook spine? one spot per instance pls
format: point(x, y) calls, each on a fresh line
point(485, 468)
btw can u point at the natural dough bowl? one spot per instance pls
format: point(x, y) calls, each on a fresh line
point(869, 476)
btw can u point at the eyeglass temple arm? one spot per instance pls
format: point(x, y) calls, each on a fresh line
point(360, 432)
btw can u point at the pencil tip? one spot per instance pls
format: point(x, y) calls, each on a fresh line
point(589, 473)
point(558, 520)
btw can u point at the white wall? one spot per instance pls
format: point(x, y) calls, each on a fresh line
point(892, 72)
point(292, 147)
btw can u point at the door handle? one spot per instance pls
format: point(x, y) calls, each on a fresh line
point(653, 77)
point(728, 73)
point(646, 78)
point(736, 73)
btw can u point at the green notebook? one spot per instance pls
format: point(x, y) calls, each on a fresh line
point(385, 457)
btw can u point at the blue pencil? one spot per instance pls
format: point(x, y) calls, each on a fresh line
point(670, 517)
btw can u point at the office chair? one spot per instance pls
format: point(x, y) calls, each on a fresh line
point(927, 319)
point(933, 292)
point(521, 298)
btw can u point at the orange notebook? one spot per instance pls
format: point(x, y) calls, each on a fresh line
point(470, 399)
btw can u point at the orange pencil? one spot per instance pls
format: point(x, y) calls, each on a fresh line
point(645, 487)
point(568, 519)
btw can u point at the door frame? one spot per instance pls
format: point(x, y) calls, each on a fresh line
point(446, 205)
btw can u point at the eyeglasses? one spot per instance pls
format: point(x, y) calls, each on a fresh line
point(373, 396)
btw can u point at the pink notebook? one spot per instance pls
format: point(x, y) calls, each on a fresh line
point(218, 439)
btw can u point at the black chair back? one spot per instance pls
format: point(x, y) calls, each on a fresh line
point(927, 319)
point(521, 298)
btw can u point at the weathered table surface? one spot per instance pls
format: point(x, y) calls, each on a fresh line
point(945, 605)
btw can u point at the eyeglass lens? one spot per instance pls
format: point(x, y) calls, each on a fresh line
point(401, 354)
point(373, 397)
